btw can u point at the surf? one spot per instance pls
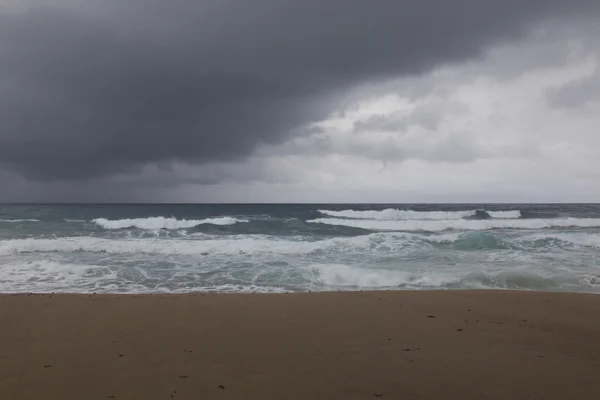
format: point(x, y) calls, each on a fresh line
point(458, 224)
point(162, 223)
point(397, 214)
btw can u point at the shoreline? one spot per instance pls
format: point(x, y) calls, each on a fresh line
point(303, 292)
point(450, 344)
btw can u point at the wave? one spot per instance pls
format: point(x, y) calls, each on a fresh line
point(510, 214)
point(340, 276)
point(382, 260)
point(573, 238)
point(19, 220)
point(48, 275)
point(232, 245)
point(458, 224)
point(394, 214)
point(44, 276)
point(202, 245)
point(162, 222)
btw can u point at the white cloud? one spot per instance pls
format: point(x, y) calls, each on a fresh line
point(484, 131)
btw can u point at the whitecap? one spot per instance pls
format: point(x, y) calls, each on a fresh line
point(394, 214)
point(153, 223)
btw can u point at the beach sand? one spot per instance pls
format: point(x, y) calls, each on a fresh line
point(360, 345)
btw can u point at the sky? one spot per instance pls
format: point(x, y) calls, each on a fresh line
point(386, 101)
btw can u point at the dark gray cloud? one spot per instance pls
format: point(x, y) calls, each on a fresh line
point(90, 89)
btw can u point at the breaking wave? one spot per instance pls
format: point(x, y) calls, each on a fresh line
point(511, 214)
point(395, 214)
point(458, 224)
point(394, 243)
point(233, 245)
point(162, 223)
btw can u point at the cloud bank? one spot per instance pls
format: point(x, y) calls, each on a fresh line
point(219, 100)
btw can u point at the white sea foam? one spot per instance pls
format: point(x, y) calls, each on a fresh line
point(511, 214)
point(577, 238)
point(394, 214)
point(203, 245)
point(232, 288)
point(339, 275)
point(43, 276)
point(229, 245)
point(49, 275)
point(442, 225)
point(592, 281)
point(384, 260)
point(162, 222)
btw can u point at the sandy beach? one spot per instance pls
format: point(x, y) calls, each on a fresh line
point(361, 345)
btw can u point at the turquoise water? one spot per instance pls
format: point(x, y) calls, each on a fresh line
point(278, 248)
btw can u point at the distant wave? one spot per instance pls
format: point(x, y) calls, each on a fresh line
point(460, 224)
point(19, 220)
point(511, 214)
point(395, 214)
point(162, 223)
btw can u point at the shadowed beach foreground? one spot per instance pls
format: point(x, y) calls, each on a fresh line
point(399, 345)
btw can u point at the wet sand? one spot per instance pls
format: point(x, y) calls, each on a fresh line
point(363, 345)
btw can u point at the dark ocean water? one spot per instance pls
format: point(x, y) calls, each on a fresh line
point(275, 248)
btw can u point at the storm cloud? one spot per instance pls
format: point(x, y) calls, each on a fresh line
point(90, 89)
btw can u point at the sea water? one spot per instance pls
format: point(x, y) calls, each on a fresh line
point(289, 248)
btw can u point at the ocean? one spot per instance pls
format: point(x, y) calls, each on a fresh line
point(298, 247)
